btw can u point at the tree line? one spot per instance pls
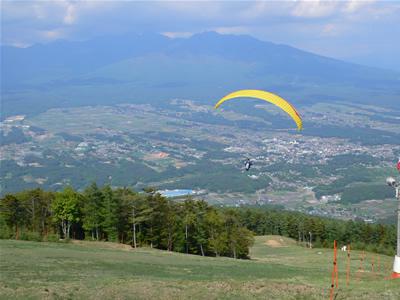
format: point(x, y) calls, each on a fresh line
point(187, 226)
point(319, 231)
point(125, 216)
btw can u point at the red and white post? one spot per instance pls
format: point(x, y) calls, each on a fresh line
point(396, 185)
point(396, 264)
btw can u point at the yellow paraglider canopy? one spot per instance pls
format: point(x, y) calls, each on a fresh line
point(269, 97)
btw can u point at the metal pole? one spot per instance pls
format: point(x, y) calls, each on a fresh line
point(396, 264)
point(398, 219)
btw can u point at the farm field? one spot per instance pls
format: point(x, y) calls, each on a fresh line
point(184, 144)
point(278, 269)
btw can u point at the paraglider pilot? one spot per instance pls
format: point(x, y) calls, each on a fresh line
point(247, 164)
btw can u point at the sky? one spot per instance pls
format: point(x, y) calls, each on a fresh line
point(365, 32)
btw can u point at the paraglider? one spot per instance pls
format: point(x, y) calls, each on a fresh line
point(269, 97)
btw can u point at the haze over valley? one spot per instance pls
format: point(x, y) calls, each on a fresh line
point(138, 111)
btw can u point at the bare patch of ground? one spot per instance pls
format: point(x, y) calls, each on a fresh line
point(276, 242)
point(156, 156)
point(107, 245)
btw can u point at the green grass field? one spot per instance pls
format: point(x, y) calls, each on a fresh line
point(278, 269)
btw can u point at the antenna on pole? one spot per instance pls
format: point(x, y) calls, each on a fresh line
point(390, 181)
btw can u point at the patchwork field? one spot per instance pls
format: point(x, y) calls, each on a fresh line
point(186, 144)
point(278, 269)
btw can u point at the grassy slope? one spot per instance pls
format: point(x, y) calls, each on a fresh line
point(86, 270)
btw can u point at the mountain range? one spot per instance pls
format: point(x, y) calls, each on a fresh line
point(150, 67)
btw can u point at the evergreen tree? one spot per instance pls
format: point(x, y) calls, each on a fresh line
point(13, 213)
point(38, 206)
point(109, 213)
point(92, 208)
point(200, 230)
point(135, 211)
point(189, 220)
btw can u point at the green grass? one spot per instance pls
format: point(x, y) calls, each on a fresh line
point(87, 270)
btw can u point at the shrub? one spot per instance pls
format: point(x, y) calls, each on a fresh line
point(30, 236)
point(5, 232)
point(51, 237)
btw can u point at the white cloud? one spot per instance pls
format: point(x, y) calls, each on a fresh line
point(70, 14)
point(332, 30)
point(20, 45)
point(177, 34)
point(232, 30)
point(254, 10)
point(39, 12)
point(52, 34)
point(326, 26)
point(355, 5)
point(314, 9)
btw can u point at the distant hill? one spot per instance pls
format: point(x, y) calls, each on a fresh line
point(152, 67)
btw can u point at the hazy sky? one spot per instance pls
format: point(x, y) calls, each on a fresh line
point(367, 32)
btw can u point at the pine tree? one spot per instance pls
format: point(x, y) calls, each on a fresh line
point(13, 213)
point(136, 211)
point(109, 214)
point(92, 208)
point(200, 232)
point(189, 220)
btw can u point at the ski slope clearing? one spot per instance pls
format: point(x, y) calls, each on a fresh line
point(278, 269)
